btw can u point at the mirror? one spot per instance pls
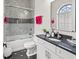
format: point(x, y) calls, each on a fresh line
point(63, 15)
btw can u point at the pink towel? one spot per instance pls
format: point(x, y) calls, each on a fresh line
point(38, 19)
point(6, 20)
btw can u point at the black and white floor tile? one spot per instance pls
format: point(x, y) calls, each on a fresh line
point(20, 55)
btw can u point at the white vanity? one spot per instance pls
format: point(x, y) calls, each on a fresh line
point(46, 50)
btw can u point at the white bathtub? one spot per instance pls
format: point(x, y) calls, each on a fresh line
point(17, 44)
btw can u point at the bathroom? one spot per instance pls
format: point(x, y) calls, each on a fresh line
point(24, 22)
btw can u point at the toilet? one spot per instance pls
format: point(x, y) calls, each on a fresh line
point(31, 48)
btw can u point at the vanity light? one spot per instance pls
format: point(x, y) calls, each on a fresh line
point(51, 1)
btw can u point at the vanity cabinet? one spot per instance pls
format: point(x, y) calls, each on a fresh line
point(50, 55)
point(64, 54)
point(40, 52)
point(46, 50)
point(47, 45)
point(44, 53)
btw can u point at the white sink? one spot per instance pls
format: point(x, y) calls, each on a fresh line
point(29, 44)
point(54, 39)
point(72, 42)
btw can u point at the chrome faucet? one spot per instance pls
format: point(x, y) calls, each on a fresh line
point(58, 35)
point(72, 38)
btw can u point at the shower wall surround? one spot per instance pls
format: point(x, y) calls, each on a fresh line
point(21, 15)
point(17, 29)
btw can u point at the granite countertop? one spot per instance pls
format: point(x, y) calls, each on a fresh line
point(62, 44)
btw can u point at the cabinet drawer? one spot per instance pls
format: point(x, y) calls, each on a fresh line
point(47, 45)
point(40, 41)
point(64, 54)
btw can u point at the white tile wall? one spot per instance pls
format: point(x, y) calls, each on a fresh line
point(22, 3)
point(17, 29)
point(15, 12)
point(42, 8)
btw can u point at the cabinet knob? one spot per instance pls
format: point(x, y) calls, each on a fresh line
point(47, 54)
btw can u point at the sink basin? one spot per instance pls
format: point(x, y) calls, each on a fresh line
point(72, 42)
point(56, 40)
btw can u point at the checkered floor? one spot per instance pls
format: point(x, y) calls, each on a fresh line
point(20, 55)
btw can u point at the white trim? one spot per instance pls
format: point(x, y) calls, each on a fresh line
point(58, 11)
point(61, 6)
point(51, 1)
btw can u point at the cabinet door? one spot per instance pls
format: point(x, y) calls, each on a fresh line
point(65, 54)
point(40, 52)
point(47, 45)
point(48, 55)
point(51, 55)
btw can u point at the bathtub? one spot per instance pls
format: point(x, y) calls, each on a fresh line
point(17, 42)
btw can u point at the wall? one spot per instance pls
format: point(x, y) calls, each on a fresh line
point(18, 29)
point(22, 3)
point(55, 6)
point(17, 12)
point(42, 7)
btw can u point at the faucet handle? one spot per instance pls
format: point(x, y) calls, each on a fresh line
point(58, 35)
point(72, 38)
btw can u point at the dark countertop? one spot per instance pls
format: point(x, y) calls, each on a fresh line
point(62, 44)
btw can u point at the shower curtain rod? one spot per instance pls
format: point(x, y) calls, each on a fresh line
point(29, 9)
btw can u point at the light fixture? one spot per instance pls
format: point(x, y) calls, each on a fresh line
point(51, 1)
point(26, 12)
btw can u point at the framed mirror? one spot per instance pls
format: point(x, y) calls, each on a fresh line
point(64, 15)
